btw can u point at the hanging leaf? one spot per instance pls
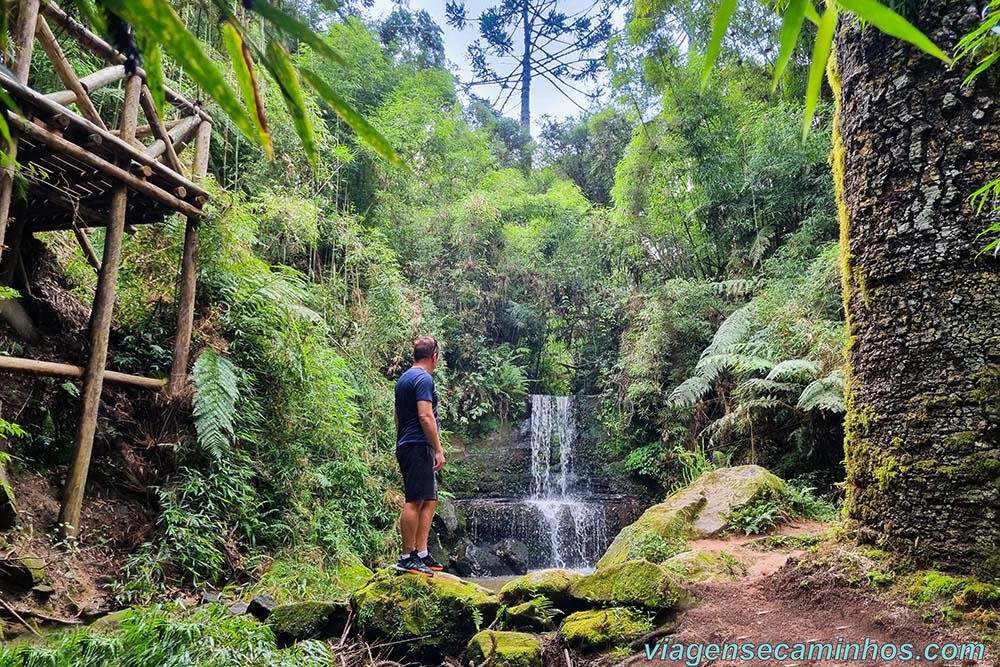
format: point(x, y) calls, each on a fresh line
point(719, 28)
point(280, 66)
point(893, 24)
point(94, 17)
point(817, 69)
point(159, 18)
point(7, 102)
point(356, 121)
point(790, 29)
point(297, 29)
point(239, 54)
point(152, 63)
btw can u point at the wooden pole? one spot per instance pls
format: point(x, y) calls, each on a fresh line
point(24, 43)
point(87, 247)
point(88, 84)
point(179, 134)
point(189, 269)
point(100, 329)
point(159, 131)
point(53, 369)
point(66, 73)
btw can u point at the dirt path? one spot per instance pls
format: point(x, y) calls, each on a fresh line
point(778, 603)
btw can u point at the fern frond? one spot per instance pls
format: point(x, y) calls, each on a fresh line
point(216, 392)
point(712, 366)
point(733, 330)
point(825, 393)
point(756, 387)
point(690, 391)
point(794, 369)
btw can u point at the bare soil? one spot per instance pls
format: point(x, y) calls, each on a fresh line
point(787, 598)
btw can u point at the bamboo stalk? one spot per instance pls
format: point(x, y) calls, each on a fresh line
point(121, 148)
point(102, 165)
point(100, 329)
point(54, 369)
point(66, 73)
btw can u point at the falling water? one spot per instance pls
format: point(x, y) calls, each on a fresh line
point(577, 529)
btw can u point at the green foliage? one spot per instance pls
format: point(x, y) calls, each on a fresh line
point(215, 397)
point(170, 635)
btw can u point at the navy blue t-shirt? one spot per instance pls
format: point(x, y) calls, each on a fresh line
point(414, 385)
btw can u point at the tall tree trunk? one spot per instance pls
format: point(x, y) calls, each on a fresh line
point(923, 310)
point(526, 69)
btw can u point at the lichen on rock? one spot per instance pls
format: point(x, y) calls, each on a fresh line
point(505, 649)
point(598, 629)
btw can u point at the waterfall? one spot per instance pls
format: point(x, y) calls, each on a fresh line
point(575, 527)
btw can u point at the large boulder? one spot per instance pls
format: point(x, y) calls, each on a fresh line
point(298, 621)
point(552, 584)
point(598, 629)
point(636, 583)
point(699, 510)
point(706, 566)
point(430, 616)
point(505, 649)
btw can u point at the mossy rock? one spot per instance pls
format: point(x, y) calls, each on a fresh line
point(537, 614)
point(505, 649)
point(599, 629)
point(636, 583)
point(22, 571)
point(706, 566)
point(699, 510)
point(552, 584)
point(431, 616)
point(298, 621)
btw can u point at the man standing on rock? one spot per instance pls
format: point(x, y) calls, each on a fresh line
point(419, 453)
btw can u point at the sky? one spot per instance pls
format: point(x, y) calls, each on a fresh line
point(545, 98)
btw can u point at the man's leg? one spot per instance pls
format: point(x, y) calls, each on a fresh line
point(424, 525)
point(409, 524)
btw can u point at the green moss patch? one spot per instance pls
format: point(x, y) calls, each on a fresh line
point(307, 620)
point(435, 616)
point(706, 565)
point(631, 584)
point(505, 649)
point(552, 584)
point(537, 614)
point(599, 629)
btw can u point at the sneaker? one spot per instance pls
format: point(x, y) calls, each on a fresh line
point(412, 565)
point(432, 563)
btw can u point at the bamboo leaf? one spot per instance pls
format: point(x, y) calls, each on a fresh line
point(790, 30)
point(811, 13)
point(297, 29)
point(817, 69)
point(94, 17)
point(239, 54)
point(356, 121)
point(159, 18)
point(893, 24)
point(280, 66)
point(719, 27)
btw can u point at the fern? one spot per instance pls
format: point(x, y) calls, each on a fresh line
point(733, 330)
point(794, 369)
point(758, 387)
point(826, 393)
point(690, 391)
point(216, 392)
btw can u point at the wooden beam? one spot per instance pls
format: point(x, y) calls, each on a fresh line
point(145, 187)
point(179, 135)
point(66, 73)
point(53, 369)
point(159, 131)
point(144, 131)
point(189, 270)
point(90, 83)
point(100, 329)
point(24, 44)
point(102, 49)
point(88, 248)
point(123, 149)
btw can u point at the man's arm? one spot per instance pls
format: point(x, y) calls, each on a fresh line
point(425, 411)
